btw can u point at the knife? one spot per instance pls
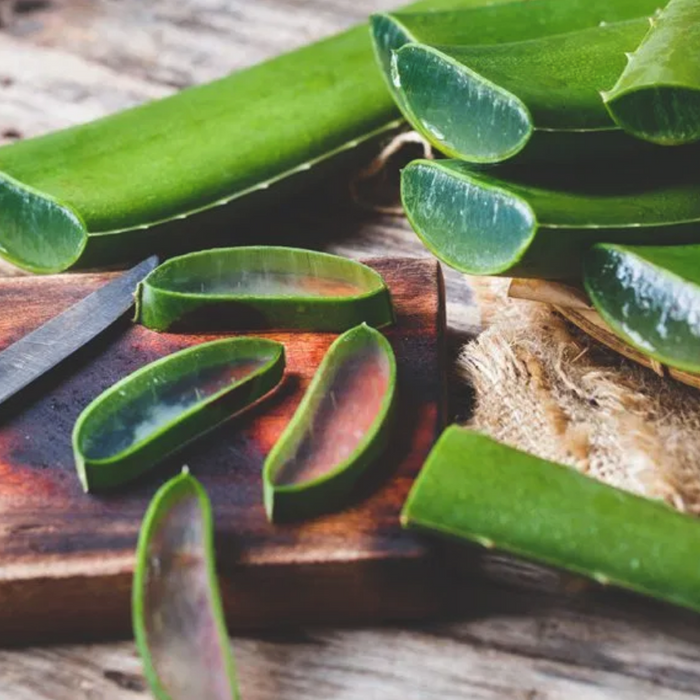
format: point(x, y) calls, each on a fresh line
point(41, 350)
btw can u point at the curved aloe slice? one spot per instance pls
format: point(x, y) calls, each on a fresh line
point(177, 614)
point(339, 429)
point(494, 24)
point(657, 97)
point(476, 489)
point(650, 297)
point(167, 404)
point(483, 104)
point(484, 225)
point(262, 287)
point(155, 178)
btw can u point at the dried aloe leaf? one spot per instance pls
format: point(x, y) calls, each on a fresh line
point(650, 297)
point(486, 104)
point(540, 223)
point(175, 172)
point(476, 489)
point(177, 614)
point(493, 24)
point(262, 287)
point(165, 405)
point(339, 429)
point(657, 97)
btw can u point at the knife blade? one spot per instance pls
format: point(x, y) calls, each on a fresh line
point(41, 350)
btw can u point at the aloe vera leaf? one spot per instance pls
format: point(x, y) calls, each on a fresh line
point(339, 429)
point(650, 297)
point(474, 488)
point(157, 177)
point(177, 613)
point(484, 225)
point(484, 104)
point(657, 96)
point(493, 24)
point(168, 403)
point(262, 287)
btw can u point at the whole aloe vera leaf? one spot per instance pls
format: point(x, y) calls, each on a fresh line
point(484, 104)
point(650, 297)
point(160, 408)
point(178, 617)
point(339, 429)
point(166, 175)
point(474, 488)
point(657, 97)
point(262, 287)
point(493, 24)
point(484, 225)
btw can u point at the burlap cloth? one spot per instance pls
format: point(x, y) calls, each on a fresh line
point(546, 388)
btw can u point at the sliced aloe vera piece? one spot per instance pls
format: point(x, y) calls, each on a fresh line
point(523, 227)
point(657, 97)
point(474, 488)
point(493, 24)
point(339, 429)
point(484, 104)
point(172, 174)
point(262, 287)
point(650, 297)
point(165, 405)
point(177, 614)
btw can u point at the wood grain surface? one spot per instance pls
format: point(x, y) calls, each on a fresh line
point(519, 632)
point(66, 558)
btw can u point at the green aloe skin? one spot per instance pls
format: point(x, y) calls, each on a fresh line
point(531, 226)
point(166, 175)
point(650, 297)
point(178, 617)
point(160, 408)
point(492, 24)
point(475, 489)
point(657, 96)
point(339, 430)
point(262, 287)
point(486, 104)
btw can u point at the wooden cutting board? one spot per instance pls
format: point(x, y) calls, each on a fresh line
point(66, 558)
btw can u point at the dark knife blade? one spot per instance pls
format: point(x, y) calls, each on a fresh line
point(41, 350)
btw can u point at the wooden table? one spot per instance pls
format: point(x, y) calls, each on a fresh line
point(519, 632)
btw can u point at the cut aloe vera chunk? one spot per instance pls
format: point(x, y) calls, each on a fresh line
point(476, 489)
point(540, 224)
point(494, 24)
point(657, 97)
point(262, 287)
point(340, 428)
point(177, 613)
point(165, 405)
point(176, 173)
point(650, 297)
point(485, 104)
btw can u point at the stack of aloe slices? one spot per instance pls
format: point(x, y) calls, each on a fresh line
point(571, 129)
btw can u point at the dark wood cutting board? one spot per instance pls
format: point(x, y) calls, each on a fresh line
point(66, 558)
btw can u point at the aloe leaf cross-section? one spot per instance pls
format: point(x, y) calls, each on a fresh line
point(657, 96)
point(168, 403)
point(541, 223)
point(178, 617)
point(650, 297)
point(473, 488)
point(262, 287)
point(497, 23)
point(487, 104)
point(172, 174)
point(339, 430)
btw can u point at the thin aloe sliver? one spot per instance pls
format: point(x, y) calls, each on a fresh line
point(158, 409)
point(177, 613)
